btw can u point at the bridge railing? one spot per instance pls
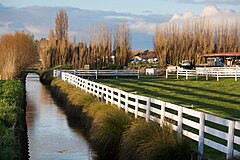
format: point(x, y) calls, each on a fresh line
point(208, 130)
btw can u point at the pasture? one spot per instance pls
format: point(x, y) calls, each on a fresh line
point(221, 98)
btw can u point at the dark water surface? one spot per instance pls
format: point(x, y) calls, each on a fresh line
point(52, 135)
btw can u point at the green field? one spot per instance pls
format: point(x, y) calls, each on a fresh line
point(220, 98)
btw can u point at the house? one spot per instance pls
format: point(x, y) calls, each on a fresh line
point(147, 56)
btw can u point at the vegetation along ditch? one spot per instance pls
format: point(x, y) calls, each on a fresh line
point(117, 135)
point(13, 129)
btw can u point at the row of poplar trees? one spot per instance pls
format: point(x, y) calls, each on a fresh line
point(176, 42)
point(104, 47)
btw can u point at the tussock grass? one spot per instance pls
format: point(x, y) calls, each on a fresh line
point(165, 145)
point(138, 133)
point(149, 141)
point(95, 107)
point(107, 129)
point(74, 95)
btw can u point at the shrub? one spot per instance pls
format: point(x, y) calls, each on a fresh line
point(46, 77)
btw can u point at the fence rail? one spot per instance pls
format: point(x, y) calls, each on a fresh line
point(190, 123)
point(218, 72)
point(104, 73)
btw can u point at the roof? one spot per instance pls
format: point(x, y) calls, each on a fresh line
point(223, 54)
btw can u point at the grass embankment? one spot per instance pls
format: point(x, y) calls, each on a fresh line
point(221, 98)
point(11, 101)
point(116, 135)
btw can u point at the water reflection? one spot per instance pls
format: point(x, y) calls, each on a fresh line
point(49, 130)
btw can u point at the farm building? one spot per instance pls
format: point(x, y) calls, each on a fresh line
point(227, 58)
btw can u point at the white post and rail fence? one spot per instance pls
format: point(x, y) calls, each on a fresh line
point(195, 125)
point(217, 72)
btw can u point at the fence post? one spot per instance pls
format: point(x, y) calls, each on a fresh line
point(136, 107)
point(119, 99)
point(179, 128)
point(96, 74)
point(116, 74)
point(112, 96)
point(98, 88)
point(177, 73)
point(85, 85)
point(163, 112)
point(217, 76)
point(196, 75)
point(107, 93)
point(230, 140)
point(206, 75)
point(166, 73)
point(201, 133)
point(102, 95)
point(126, 103)
point(148, 109)
point(236, 75)
point(138, 74)
point(186, 75)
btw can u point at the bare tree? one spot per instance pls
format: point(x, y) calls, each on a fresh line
point(174, 42)
point(17, 52)
point(61, 25)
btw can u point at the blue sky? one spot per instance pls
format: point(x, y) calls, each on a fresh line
point(131, 6)
point(37, 16)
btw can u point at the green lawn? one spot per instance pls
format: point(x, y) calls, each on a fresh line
point(221, 98)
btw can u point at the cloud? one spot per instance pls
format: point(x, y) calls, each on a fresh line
point(119, 17)
point(185, 16)
point(34, 29)
point(148, 28)
point(229, 2)
point(39, 20)
point(211, 13)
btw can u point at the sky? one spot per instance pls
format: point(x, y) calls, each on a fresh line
point(37, 17)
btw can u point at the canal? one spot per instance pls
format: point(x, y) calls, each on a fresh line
point(52, 135)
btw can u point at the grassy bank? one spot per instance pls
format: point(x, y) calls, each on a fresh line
point(219, 98)
point(11, 102)
point(110, 129)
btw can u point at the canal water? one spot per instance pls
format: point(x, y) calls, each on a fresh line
point(52, 135)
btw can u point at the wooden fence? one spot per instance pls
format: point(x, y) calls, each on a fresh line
point(195, 125)
point(218, 72)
